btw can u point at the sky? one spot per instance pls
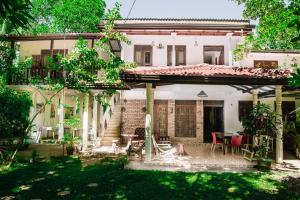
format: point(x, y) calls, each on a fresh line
point(215, 9)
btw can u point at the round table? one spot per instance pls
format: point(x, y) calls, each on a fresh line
point(129, 136)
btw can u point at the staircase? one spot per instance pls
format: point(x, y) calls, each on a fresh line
point(113, 127)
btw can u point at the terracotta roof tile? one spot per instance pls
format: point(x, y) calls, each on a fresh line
point(205, 70)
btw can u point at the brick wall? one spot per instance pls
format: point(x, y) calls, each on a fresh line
point(133, 115)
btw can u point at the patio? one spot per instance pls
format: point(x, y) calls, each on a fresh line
point(196, 158)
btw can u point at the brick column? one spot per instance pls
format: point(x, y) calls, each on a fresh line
point(171, 119)
point(199, 121)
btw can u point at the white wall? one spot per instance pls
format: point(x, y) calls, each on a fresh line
point(29, 48)
point(194, 54)
point(284, 59)
point(229, 95)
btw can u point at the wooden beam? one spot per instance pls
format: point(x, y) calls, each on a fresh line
point(211, 80)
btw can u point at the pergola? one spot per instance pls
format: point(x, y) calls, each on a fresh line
point(251, 80)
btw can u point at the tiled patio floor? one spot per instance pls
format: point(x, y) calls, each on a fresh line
point(197, 158)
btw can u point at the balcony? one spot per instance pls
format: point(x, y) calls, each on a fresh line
point(25, 77)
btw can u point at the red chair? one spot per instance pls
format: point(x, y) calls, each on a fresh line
point(236, 142)
point(215, 142)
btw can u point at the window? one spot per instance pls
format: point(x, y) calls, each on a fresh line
point(46, 54)
point(180, 55)
point(169, 55)
point(245, 108)
point(270, 64)
point(143, 55)
point(213, 55)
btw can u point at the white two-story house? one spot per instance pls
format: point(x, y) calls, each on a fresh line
point(184, 112)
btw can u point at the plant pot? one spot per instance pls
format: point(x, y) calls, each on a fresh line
point(263, 163)
point(70, 150)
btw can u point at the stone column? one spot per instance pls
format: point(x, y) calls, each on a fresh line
point(95, 116)
point(279, 138)
point(85, 121)
point(149, 120)
point(255, 97)
point(61, 115)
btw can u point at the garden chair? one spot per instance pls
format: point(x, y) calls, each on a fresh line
point(137, 144)
point(163, 150)
point(236, 143)
point(215, 142)
point(251, 152)
point(35, 136)
point(136, 148)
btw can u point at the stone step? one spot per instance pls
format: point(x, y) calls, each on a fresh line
point(111, 136)
point(117, 132)
point(112, 128)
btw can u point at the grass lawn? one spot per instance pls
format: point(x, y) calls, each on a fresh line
point(66, 178)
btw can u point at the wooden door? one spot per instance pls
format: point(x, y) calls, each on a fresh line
point(161, 117)
point(185, 118)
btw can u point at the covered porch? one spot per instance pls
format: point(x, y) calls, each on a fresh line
point(253, 80)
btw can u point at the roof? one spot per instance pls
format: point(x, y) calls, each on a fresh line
point(52, 36)
point(182, 20)
point(182, 23)
point(282, 51)
point(208, 74)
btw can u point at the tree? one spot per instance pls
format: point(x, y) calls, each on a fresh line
point(15, 15)
point(277, 27)
point(78, 68)
point(67, 15)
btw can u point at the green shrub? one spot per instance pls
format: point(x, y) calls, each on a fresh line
point(14, 112)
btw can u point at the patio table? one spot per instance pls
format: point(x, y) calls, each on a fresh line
point(130, 137)
point(226, 137)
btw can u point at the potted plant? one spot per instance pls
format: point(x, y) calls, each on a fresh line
point(70, 141)
point(261, 123)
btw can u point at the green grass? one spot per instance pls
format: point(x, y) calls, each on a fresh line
point(65, 178)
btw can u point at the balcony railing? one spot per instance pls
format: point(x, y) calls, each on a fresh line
point(26, 76)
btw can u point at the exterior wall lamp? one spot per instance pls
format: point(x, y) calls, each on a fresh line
point(202, 94)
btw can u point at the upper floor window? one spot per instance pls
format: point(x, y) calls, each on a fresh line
point(213, 55)
point(180, 55)
point(270, 64)
point(143, 55)
point(42, 59)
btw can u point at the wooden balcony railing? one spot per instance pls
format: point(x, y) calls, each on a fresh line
point(39, 73)
point(25, 77)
